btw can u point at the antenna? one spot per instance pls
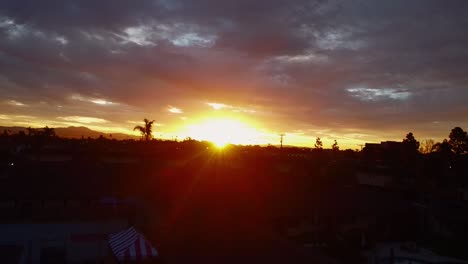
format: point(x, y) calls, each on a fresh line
point(281, 140)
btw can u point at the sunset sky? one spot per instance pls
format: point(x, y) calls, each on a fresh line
point(355, 71)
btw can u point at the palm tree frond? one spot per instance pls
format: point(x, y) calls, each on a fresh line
point(139, 128)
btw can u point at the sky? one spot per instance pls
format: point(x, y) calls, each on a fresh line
point(355, 71)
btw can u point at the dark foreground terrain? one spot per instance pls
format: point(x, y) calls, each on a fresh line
point(194, 202)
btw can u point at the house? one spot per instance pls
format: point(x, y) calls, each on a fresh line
point(64, 241)
point(49, 214)
point(386, 152)
point(407, 252)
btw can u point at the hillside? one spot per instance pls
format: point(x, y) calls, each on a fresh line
point(74, 132)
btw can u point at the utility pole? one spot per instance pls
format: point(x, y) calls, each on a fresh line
point(281, 140)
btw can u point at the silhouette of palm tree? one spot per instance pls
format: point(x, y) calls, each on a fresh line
point(146, 130)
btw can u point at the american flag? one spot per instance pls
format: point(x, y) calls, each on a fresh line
point(129, 245)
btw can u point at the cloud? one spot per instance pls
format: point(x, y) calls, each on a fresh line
point(83, 119)
point(97, 101)
point(139, 35)
point(15, 103)
point(220, 106)
point(323, 64)
point(374, 94)
point(193, 39)
point(302, 58)
point(174, 110)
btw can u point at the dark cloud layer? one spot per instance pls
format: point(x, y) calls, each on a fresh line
point(370, 66)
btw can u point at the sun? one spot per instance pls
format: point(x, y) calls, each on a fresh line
point(223, 132)
point(220, 142)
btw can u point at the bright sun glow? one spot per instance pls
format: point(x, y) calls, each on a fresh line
point(223, 131)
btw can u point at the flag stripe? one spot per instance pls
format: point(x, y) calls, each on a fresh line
point(125, 243)
point(122, 240)
point(143, 243)
point(132, 251)
point(131, 245)
point(119, 238)
point(126, 255)
point(148, 249)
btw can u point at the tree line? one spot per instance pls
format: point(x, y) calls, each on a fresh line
point(456, 144)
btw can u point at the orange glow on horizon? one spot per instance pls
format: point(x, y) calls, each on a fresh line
point(223, 131)
point(218, 126)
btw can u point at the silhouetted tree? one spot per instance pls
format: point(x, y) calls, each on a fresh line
point(335, 146)
point(411, 142)
point(443, 148)
point(48, 132)
point(458, 141)
point(146, 130)
point(31, 131)
point(427, 146)
point(318, 144)
point(21, 134)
